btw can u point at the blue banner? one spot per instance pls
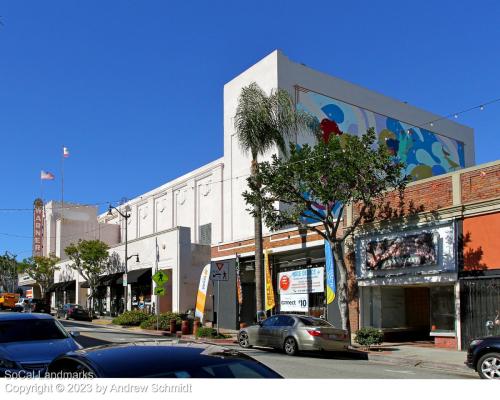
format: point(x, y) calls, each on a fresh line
point(331, 286)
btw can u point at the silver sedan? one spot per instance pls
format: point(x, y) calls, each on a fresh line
point(294, 333)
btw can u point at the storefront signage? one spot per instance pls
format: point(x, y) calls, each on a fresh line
point(294, 302)
point(38, 228)
point(307, 280)
point(402, 252)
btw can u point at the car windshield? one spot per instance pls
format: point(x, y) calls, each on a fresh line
point(310, 321)
point(24, 330)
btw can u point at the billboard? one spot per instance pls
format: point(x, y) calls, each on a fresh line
point(308, 280)
point(402, 251)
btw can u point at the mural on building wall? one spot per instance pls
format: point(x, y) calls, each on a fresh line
point(402, 252)
point(425, 153)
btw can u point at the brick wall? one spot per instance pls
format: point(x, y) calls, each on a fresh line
point(480, 184)
point(446, 342)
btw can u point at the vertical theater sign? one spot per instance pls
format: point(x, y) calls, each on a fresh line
point(38, 227)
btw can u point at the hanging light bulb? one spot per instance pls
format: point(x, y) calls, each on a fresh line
point(481, 107)
point(432, 123)
point(456, 115)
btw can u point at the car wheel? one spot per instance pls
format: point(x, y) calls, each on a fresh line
point(243, 340)
point(488, 366)
point(290, 346)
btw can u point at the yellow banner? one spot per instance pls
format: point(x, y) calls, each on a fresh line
point(269, 283)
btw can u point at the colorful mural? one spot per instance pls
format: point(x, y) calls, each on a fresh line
point(425, 153)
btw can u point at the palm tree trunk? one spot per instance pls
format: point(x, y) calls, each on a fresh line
point(338, 255)
point(258, 250)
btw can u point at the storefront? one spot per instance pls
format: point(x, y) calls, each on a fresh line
point(64, 292)
point(408, 283)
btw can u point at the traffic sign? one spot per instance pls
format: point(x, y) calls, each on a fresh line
point(160, 278)
point(160, 290)
point(219, 270)
point(124, 279)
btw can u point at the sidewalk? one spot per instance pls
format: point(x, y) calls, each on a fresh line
point(416, 355)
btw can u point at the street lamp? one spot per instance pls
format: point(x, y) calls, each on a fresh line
point(126, 216)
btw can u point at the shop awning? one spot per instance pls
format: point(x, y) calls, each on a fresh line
point(134, 275)
point(61, 286)
point(106, 280)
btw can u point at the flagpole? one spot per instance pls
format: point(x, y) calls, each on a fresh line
point(62, 187)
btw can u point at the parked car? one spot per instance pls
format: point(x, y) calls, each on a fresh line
point(483, 355)
point(294, 333)
point(160, 359)
point(29, 342)
point(74, 311)
point(36, 305)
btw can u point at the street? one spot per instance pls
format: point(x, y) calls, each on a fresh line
point(322, 365)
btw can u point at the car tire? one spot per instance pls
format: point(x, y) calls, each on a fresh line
point(485, 364)
point(243, 340)
point(290, 346)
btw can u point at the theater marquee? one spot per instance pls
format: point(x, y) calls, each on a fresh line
point(38, 227)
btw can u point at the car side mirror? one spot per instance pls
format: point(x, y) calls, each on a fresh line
point(74, 333)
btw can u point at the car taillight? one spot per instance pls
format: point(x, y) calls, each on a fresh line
point(314, 333)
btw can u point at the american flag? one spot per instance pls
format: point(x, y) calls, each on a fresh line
point(47, 176)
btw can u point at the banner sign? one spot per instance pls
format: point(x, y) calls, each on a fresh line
point(294, 302)
point(307, 280)
point(239, 291)
point(202, 292)
point(38, 227)
point(269, 283)
point(331, 285)
point(401, 252)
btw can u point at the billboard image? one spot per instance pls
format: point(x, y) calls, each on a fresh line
point(401, 252)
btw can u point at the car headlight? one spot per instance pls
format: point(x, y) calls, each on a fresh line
point(475, 342)
point(7, 364)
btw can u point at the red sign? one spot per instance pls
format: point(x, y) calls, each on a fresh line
point(38, 227)
point(284, 282)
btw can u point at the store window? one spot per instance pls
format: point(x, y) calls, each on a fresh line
point(442, 309)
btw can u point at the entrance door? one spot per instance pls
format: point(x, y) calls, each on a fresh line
point(480, 302)
point(248, 308)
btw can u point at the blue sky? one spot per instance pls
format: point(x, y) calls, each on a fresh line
point(134, 88)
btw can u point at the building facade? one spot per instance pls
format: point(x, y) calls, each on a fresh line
point(200, 217)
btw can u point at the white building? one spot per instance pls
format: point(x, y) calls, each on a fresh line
point(205, 207)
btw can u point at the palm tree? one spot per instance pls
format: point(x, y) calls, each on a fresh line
point(263, 122)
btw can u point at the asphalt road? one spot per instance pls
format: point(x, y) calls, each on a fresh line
point(321, 365)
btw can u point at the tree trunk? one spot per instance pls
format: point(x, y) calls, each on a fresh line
point(259, 301)
point(343, 299)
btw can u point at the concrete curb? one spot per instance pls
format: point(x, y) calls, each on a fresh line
point(414, 362)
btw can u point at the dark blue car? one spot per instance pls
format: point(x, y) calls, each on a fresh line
point(159, 359)
point(29, 342)
point(483, 355)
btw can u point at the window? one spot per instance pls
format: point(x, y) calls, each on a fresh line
point(309, 321)
point(30, 330)
point(270, 322)
point(442, 308)
point(285, 320)
point(205, 234)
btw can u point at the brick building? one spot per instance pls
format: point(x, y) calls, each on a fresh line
point(451, 221)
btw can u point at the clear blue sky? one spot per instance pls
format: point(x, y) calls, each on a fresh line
point(134, 88)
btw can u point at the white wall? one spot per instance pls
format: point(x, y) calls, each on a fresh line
point(238, 224)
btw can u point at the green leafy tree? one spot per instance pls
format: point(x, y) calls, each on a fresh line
point(8, 273)
point(313, 186)
point(262, 123)
point(90, 259)
point(41, 269)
